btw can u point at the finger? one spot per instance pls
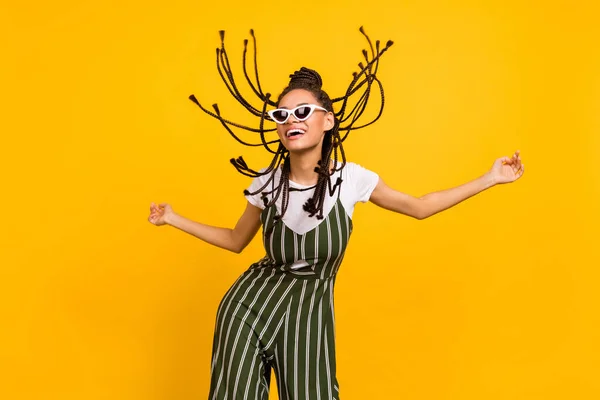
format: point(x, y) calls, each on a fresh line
point(156, 211)
point(516, 168)
point(519, 172)
point(519, 158)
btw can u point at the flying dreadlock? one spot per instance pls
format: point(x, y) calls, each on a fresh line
point(309, 80)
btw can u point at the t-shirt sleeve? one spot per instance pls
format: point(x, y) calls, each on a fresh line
point(363, 181)
point(256, 184)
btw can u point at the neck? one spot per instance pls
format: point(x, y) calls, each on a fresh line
point(302, 167)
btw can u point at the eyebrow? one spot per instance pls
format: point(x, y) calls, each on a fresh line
point(297, 105)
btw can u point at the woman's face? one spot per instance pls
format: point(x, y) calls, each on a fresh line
point(301, 136)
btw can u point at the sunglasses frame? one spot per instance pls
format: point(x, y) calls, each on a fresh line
point(312, 107)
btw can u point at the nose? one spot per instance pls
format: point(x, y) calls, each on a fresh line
point(292, 119)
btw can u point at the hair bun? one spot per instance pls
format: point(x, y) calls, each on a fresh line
point(306, 76)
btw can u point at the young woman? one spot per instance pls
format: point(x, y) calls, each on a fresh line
point(279, 314)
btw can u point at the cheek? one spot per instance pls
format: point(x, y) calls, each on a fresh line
point(320, 125)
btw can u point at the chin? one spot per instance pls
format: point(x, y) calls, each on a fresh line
point(301, 149)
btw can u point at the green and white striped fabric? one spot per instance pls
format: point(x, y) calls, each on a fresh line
point(279, 315)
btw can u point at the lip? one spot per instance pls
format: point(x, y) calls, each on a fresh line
point(295, 128)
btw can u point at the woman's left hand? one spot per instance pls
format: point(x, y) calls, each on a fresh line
point(506, 170)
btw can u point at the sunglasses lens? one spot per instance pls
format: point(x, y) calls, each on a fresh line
point(280, 115)
point(302, 112)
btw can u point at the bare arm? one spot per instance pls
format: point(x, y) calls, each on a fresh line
point(429, 204)
point(504, 170)
point(234, 240)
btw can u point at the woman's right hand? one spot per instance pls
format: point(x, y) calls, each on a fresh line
point(159, 213)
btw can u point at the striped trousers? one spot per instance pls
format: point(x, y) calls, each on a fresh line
point(274, 321)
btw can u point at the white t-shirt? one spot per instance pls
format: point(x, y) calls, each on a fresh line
point(357, 186)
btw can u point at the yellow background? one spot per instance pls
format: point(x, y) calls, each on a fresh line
point(496, 298)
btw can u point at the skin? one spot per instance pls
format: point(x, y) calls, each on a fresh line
point(305, 151)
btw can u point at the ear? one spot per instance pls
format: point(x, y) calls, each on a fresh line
point(329, 121)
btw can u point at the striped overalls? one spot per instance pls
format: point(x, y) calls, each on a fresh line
point(279, 315)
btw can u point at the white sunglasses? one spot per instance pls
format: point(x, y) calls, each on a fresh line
point(302, 113)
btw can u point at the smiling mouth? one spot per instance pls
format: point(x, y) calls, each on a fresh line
point(295, 132)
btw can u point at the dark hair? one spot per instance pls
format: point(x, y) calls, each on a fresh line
point(310, 80)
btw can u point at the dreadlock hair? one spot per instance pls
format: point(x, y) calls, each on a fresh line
point(310, 80)
point(307, 79)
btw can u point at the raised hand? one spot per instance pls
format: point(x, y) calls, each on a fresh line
point(159, 213)
point(505, 169)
